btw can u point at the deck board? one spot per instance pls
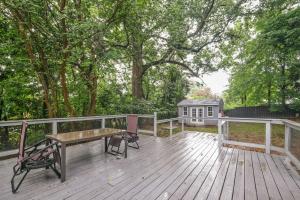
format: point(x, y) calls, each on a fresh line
point(197, 176)
point(227, 190)
point(261, 188)
point(270, 183)
point(171, 171)
point(185, 166)
point(293, 187)
point(280, 183)
point(239, 184)
point(203, 191)
point(250, 189)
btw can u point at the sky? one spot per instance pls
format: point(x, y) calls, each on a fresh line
point(217, 81)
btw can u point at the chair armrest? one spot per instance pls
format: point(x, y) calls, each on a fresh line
point(37, 144)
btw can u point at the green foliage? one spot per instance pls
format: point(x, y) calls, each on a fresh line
point(78, 58)
point(264, 58)
point(201, 92)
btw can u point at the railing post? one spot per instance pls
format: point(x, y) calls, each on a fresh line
point(54, 127)
point(182, 124)
point(103, 123)
point(227, 130)
point(287, 137)
point(268, 137)
point(171, 128)
point(155, 124)
point(219, 132)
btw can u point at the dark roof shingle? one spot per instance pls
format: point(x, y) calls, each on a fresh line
point(191, 102)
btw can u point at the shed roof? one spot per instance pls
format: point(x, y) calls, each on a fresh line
point(191, 102)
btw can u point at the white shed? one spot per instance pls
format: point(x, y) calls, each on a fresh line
point(200, 112)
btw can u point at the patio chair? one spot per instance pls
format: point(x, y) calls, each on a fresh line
point(114, 141)
point(132, 136)
point(43, 154)
point(132, 131)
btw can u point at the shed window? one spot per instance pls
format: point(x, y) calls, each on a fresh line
point(185, 111)
point(209, 111)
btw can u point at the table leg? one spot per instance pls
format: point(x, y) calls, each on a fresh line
point(63, 162)
point(106, 147)
point(126, 144)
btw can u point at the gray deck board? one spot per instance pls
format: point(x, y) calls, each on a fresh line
point(239, 185)
point(171, 171)
point(281, 185)
point(203, 192)
point(228, 187)
point(293, 187)
point(250, 189)
point(270, 183)
point(216, 189)
point(185, 166)
point(261, 188)
point(110, 175)
point(187, 177)
point(177, 177)
point(198, 176)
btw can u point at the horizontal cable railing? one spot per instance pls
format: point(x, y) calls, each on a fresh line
point(271, 134)
point(278, 135)
point(292, 141)
point(38, 128)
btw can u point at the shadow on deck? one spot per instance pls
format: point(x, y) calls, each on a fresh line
point(186, 166)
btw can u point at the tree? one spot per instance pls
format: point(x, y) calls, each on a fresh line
point(201, 92)
point(183, 33)
point(264, 67)
point(53, 35)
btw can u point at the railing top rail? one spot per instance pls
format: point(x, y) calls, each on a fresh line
point(145, 116)
point(67, 119)
point(292, 124)
point(167, 120)
point(254, 120)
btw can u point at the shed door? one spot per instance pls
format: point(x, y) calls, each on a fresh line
point(197, 114)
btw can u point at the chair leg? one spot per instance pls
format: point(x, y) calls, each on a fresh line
point(55, 170)
point(137, 145)
point(57, 158)
point(13, 188)
point(114, 152)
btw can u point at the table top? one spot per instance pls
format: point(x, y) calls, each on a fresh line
point(85, 135)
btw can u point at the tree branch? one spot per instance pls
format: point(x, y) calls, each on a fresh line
point(203, 20)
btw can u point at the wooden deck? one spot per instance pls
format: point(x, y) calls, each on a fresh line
point(186, 166)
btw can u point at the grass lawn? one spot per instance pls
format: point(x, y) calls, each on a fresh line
point(243, 132)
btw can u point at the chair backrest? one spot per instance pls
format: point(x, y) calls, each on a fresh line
point(22, 140)
point(132, 123)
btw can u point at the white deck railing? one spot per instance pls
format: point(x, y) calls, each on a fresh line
point(291, 139)
point(290, 126)
point(292, 130)
point(54, 123)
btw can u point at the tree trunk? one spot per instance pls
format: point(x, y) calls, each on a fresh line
point(92, 94)
point(4, 133)
point(269, 93)
point(283, 86)
point(41, 72)
point(65, 91)
point(137, 71)
point(62, 71)
point(1, 103)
